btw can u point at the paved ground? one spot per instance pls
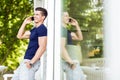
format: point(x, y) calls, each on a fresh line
point(1, 78)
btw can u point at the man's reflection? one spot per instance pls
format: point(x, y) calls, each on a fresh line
point(70, 62)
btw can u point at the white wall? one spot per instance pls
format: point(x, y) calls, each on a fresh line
point(112, 39)
point(52, 67)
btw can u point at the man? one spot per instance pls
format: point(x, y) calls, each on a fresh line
point(70, 65)
point(36, 47)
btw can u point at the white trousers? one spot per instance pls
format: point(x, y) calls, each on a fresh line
point(23, 73)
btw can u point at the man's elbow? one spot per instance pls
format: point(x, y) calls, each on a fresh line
point(19, 37)
point(80, 39)
point(43, 48)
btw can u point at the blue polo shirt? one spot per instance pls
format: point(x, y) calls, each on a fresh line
point(33, 43)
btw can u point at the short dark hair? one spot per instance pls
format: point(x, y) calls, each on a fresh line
point(43, 10)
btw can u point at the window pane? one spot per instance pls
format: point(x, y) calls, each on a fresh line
point(81, 38)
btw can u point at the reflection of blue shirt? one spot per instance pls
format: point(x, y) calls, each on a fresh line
point(69, 38)
point(67, 34)
point(33, 43)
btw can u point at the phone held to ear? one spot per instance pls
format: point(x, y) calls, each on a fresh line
point(32, 18)
point(70, 20)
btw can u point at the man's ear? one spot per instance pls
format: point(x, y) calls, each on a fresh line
point(43, 17)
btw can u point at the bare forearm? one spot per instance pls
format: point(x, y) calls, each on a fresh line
point(22, 33)
point(66, 56)
point(21, 30)
point(38, 54)
point(79, 33)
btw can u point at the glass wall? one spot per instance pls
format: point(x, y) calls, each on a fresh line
point(82, 39)
point(89, 15)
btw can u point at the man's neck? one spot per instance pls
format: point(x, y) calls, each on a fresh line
point(38, 24)
point(64, 25)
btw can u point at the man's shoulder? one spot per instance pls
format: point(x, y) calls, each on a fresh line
point(42, 26)
point(64, 32)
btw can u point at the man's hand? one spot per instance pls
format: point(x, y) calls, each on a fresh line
point(28, 65)
point(28, 20)
point(73, 22)
point(73, 66)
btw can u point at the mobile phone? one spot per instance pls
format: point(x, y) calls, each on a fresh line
point(32, 18)
point(70, 20)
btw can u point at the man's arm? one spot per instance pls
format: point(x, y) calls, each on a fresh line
point(64, 52)
point(78, 34)
point(22, 33)
point(40, 50)
point(65, 55)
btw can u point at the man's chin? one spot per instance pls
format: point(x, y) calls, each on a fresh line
point(35, 21)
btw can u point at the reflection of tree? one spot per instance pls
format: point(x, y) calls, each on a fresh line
point(12, 13)
point(89, 15)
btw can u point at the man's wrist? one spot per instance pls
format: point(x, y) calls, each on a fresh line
point(31, 64)
point(71, 63)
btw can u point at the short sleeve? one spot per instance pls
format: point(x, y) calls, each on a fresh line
point(63, 32)
point(42, 31)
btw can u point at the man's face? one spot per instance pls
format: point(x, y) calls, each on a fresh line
point(65, 17)
point(38, 17)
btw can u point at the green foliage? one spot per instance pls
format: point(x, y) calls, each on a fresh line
point(12, 14)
